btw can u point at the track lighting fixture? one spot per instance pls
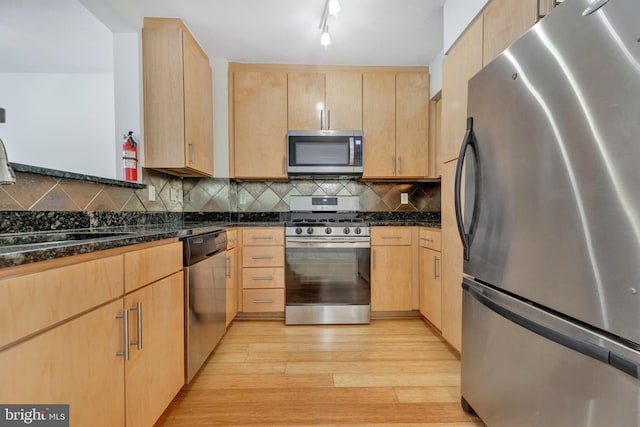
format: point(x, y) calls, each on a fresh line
point(331, 7)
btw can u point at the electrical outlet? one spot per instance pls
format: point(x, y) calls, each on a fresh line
point(152, 193)
point(243, 198)
point(404, 198)
point(173, 194)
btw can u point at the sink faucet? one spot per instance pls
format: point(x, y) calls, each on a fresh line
point(7, 176)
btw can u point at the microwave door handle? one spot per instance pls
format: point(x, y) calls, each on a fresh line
point(351, 151)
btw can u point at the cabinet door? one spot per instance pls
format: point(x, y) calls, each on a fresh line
point(391, 278)
point(198, 107)
point(435, 135)
point(164, 125)
point(412, 124)
point(343, 97)
point(232, 285)
point(260, 124)
point(463, 61)
point(504, 22)
point(430, 286)
point(379, 124)
point(305, 101)
point(74, 363)
point(451, 262)
point(155, 373)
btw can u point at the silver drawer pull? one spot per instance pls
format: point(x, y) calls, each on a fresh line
point(426, 239)
point(138, 309)
point(263, 237)
point(262, 257)
point(263, 301)
point(392, 237)
point(263, 278)
point(125, 328)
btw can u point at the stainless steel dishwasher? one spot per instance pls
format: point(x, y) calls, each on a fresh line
point(205, 282)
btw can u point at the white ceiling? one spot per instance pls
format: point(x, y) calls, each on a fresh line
point(63, 36)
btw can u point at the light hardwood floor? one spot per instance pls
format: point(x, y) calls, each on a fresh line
point(391, 372)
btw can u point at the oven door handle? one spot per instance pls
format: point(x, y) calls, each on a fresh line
point(302, 243)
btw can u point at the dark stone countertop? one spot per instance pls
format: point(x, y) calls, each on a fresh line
point(17, 248)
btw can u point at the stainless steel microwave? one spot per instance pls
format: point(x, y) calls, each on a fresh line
point(329, 152)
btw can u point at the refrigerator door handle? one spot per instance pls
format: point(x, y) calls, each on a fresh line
point(469, 141)
point(579, 345)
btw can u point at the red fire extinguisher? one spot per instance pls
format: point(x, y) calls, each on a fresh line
point(130, 158)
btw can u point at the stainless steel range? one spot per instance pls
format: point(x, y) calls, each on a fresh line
point(327, 262)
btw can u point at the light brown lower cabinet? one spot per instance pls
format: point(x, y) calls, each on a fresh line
point(74, 364)
point(109, 374)
point(263, 270)
point(391, 269)
point(155, 370)
point(431, 276)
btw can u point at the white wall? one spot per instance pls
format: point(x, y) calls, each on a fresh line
point(458, 14)
point(435, 75)
point(52, 123)
point(220, 67)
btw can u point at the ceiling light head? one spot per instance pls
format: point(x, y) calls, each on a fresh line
point(325, 38)
point(334, 7)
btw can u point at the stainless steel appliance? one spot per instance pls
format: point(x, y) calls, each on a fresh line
point(205, 299)
point(551, 224)
point(327, 262)
point(332, 152)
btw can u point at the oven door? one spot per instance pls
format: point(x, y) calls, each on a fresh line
point(327, 272)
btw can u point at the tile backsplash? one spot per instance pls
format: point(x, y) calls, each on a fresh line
point(33, 192)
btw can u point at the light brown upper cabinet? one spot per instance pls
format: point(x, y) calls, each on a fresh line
point(462, 62)
point(331, 100)
point(504, 22)
point(178, 100)
point(260, 124)
point(396, 124)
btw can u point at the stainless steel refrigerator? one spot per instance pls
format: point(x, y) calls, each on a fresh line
point(550, 223)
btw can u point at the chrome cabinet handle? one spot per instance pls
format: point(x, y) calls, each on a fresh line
point(138, 309)
point(391, 237)
point(322, 119)
point(399, 165)
point(269, 237)
point(426, 239)
point(227, 266)
point(192, 151)
point(263, 301)
point(393, 165)
point(262, 278)
point(435, 267)
point(284, 165)
point(262, 257)
point(328, 119)
point(374, 259)
point(125, 328)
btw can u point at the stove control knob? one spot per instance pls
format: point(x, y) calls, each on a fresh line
point(328, 230)
point(358, 230)
point(298, 230)
point(310, 230)
point(346, 230)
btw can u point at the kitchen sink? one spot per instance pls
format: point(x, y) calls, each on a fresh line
point(32, 240)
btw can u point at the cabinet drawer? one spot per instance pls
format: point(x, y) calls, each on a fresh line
point(430, 238)
point(42, 299)
point(148, 265)
point(263, 256)
point(263, 277)
point(391, 236)
point(232, 238)
point(263, 236)
point(262, 300)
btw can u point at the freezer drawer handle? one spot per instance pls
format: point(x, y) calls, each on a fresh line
point(469, 141)
point(584, 347)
